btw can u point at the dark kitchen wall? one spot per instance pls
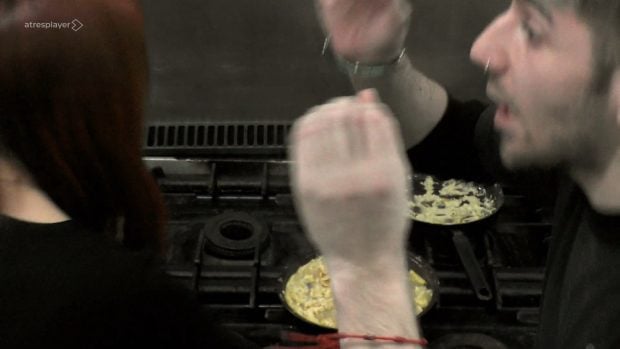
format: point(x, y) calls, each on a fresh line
point(260, 59)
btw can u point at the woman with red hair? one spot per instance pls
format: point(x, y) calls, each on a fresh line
point(73, 184)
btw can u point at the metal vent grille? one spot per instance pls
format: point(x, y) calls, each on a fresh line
point(229, 137)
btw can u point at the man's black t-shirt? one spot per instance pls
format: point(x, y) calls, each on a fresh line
point(581, 303)
point(581, 298)
point(62, 286)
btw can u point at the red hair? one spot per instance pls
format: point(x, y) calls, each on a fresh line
point(71, 110)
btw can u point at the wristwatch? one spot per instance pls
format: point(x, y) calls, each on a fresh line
point(360, 69)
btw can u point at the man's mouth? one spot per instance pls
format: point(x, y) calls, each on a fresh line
point(503, 116)
point(504, 113)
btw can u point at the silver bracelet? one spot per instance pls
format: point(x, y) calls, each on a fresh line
point(360, 69)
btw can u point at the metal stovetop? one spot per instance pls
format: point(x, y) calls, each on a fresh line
point(233, 223)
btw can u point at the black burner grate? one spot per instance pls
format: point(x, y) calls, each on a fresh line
point(243, 290)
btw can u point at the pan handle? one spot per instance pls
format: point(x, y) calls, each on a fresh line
point(472, 268)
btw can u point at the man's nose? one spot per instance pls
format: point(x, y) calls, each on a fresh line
point(489, 49)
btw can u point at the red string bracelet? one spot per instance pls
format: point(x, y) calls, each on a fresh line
point(332, 340)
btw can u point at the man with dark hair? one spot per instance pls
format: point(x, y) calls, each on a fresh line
point(554, 76)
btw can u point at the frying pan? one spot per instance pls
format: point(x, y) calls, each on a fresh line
point(416, 263)
point(494, 195)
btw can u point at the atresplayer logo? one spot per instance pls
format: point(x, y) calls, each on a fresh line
point(74, 25)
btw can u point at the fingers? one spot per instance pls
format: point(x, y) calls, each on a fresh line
point(347, 155)
point(321, 136)
point(369, 95)
point(383, 133)
point(347, 129)
point(383, 129)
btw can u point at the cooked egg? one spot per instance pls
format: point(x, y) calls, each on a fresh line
point(309, 295)
point(450, 202)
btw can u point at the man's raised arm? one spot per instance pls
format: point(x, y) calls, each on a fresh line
point(368, 38)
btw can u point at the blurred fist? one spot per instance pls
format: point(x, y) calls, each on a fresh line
point(369, 31)
point(349, 178)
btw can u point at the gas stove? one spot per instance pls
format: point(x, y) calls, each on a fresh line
point(234, 234)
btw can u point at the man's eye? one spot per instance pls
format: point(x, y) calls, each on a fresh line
point(530, 33)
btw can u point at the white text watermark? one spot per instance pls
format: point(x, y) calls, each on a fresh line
point(74, 25)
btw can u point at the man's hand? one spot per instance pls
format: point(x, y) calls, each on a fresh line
point(349, 177)
point(369, 31)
